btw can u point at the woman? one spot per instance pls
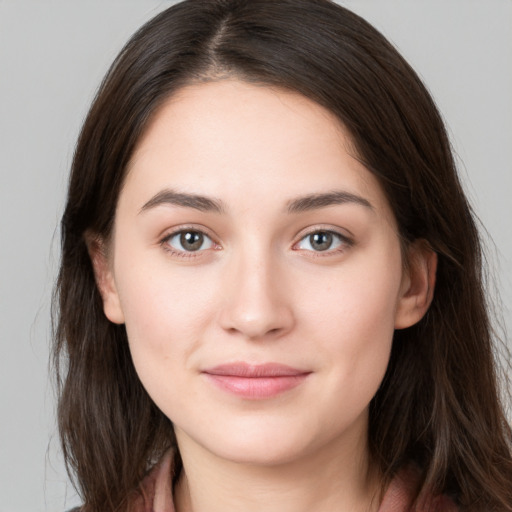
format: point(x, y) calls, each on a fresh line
point(271, 293)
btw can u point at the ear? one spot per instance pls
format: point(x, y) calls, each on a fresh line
point(418, 283)
point(104, 278)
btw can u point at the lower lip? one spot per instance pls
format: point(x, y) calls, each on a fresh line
point(256, 388)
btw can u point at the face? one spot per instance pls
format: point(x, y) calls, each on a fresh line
point(257, 267)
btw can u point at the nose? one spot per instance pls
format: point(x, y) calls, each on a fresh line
point(258, 302)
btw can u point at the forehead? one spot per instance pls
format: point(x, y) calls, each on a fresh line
point(231, 138)
point(241, 111)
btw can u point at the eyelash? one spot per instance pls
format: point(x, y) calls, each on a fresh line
point(183, 253)
point(344, 242)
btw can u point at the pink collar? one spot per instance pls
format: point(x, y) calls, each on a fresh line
point(156, 492)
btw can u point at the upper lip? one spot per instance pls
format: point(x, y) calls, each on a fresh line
point(242, 369)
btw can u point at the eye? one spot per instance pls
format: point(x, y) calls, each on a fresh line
point(323, 240)
point(189, 240)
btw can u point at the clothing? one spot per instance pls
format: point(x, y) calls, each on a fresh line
point(157, 493)
point(402, 492)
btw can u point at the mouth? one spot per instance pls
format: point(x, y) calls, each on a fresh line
point(255, 382)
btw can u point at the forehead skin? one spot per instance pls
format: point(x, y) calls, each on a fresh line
point(213, 112)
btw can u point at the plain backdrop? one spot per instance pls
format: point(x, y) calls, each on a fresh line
point(53, 54)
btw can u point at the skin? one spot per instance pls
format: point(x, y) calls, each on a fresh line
point(259, 291)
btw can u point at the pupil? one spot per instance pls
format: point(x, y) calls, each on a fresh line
point(191, 240)
point(321, 241)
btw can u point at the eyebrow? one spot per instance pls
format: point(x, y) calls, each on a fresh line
point(316, 201)
point(298, 205)
point(173, 198)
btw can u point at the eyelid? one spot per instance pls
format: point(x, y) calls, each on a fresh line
point(346, 239)
point(344, 233)
point(172, 232)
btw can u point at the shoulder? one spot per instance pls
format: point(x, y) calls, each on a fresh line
point(401, 495)
point(155, 491)
point(443, 504)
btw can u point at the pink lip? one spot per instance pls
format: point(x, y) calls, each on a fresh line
point(255, 381)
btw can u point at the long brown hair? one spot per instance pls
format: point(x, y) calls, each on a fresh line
point(438, 405)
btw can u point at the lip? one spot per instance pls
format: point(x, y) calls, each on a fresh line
point(255, 382)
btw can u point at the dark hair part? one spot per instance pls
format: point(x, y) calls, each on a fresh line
point(439, 404)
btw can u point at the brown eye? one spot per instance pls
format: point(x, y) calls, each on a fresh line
point(320, 241)
point(189, 241)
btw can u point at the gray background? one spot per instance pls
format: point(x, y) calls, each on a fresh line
point(53, 54)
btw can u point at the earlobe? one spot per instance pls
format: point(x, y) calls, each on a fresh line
point(417, 285)
point(104, 279)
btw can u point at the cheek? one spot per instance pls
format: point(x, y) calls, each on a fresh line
point(351, 317)
point(167, 310)
point(166, 319)
point(356, 303)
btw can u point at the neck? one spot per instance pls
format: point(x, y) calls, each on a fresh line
point(336, 477)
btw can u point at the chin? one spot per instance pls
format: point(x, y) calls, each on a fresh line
point(260, 452)
point(264, 441)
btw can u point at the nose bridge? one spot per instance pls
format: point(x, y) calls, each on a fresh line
point(257, 304)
